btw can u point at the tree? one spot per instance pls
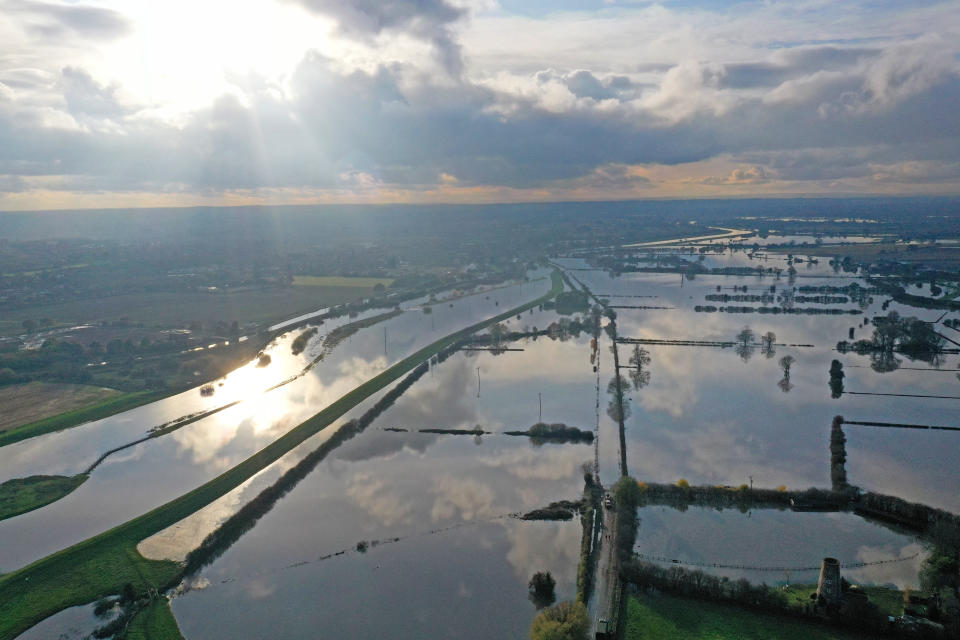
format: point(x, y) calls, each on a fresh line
point(836, 379)
point(640, 357)
point(744, 346)
point(767, 342)
point(639, 360)
point(29, 325)
point(564, 621)
point(541, 588)
point(785, 363)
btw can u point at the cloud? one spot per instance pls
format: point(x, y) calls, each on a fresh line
point(52, 20)
point(428, 20)
point(755, 174)
point(565, 105)
point(87, 99)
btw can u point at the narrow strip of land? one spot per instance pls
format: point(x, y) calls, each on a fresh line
point(899, 425)
point(900, 395)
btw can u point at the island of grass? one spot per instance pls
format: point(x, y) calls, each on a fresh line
point(554, 432)
point(104, 564)
point(21, 495)
point(664, 617)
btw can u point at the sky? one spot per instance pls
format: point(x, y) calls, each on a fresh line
point(177, 103)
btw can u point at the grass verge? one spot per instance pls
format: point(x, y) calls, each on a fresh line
point(101, 565)
point(21, 495)
point(666, 617)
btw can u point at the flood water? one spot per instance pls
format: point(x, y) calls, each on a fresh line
point(138, 479)
point(444, 554)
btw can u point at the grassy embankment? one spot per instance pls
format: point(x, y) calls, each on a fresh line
point(670, 618)
point(21, 495)
point(101, 565)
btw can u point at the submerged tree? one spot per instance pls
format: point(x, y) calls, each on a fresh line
point(541, 587)
point(836, 379)
point(639, 360)
point(767, 342)
point(785, 363)
point(618, 409)
point(744, 344)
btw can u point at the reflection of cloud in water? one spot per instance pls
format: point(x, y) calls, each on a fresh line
point(903, 574)
point(539, 546)
point(546, 359)
point(440, 401)
point(876, 471)
point(550, 462)
point(378, 499)
point(177, 540)
point(265, 416)
point(385, 445)
point(257, 589)
point(469, 498)
point(676, 366)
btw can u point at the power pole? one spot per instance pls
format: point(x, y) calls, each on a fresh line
point(540, 402)
point(478, 382)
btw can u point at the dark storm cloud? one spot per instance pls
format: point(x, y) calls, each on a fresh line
point(428, 20)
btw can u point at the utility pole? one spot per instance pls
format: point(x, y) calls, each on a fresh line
point(478, 382)
point(540, 402)
point(751, 482)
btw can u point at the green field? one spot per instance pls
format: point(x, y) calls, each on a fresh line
point(101, 565)
point(21, 495)
point(109, 407)
point(665, 617)
point(33, 401)
point(889, 601)
point(340, 281)
point(179, 308)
